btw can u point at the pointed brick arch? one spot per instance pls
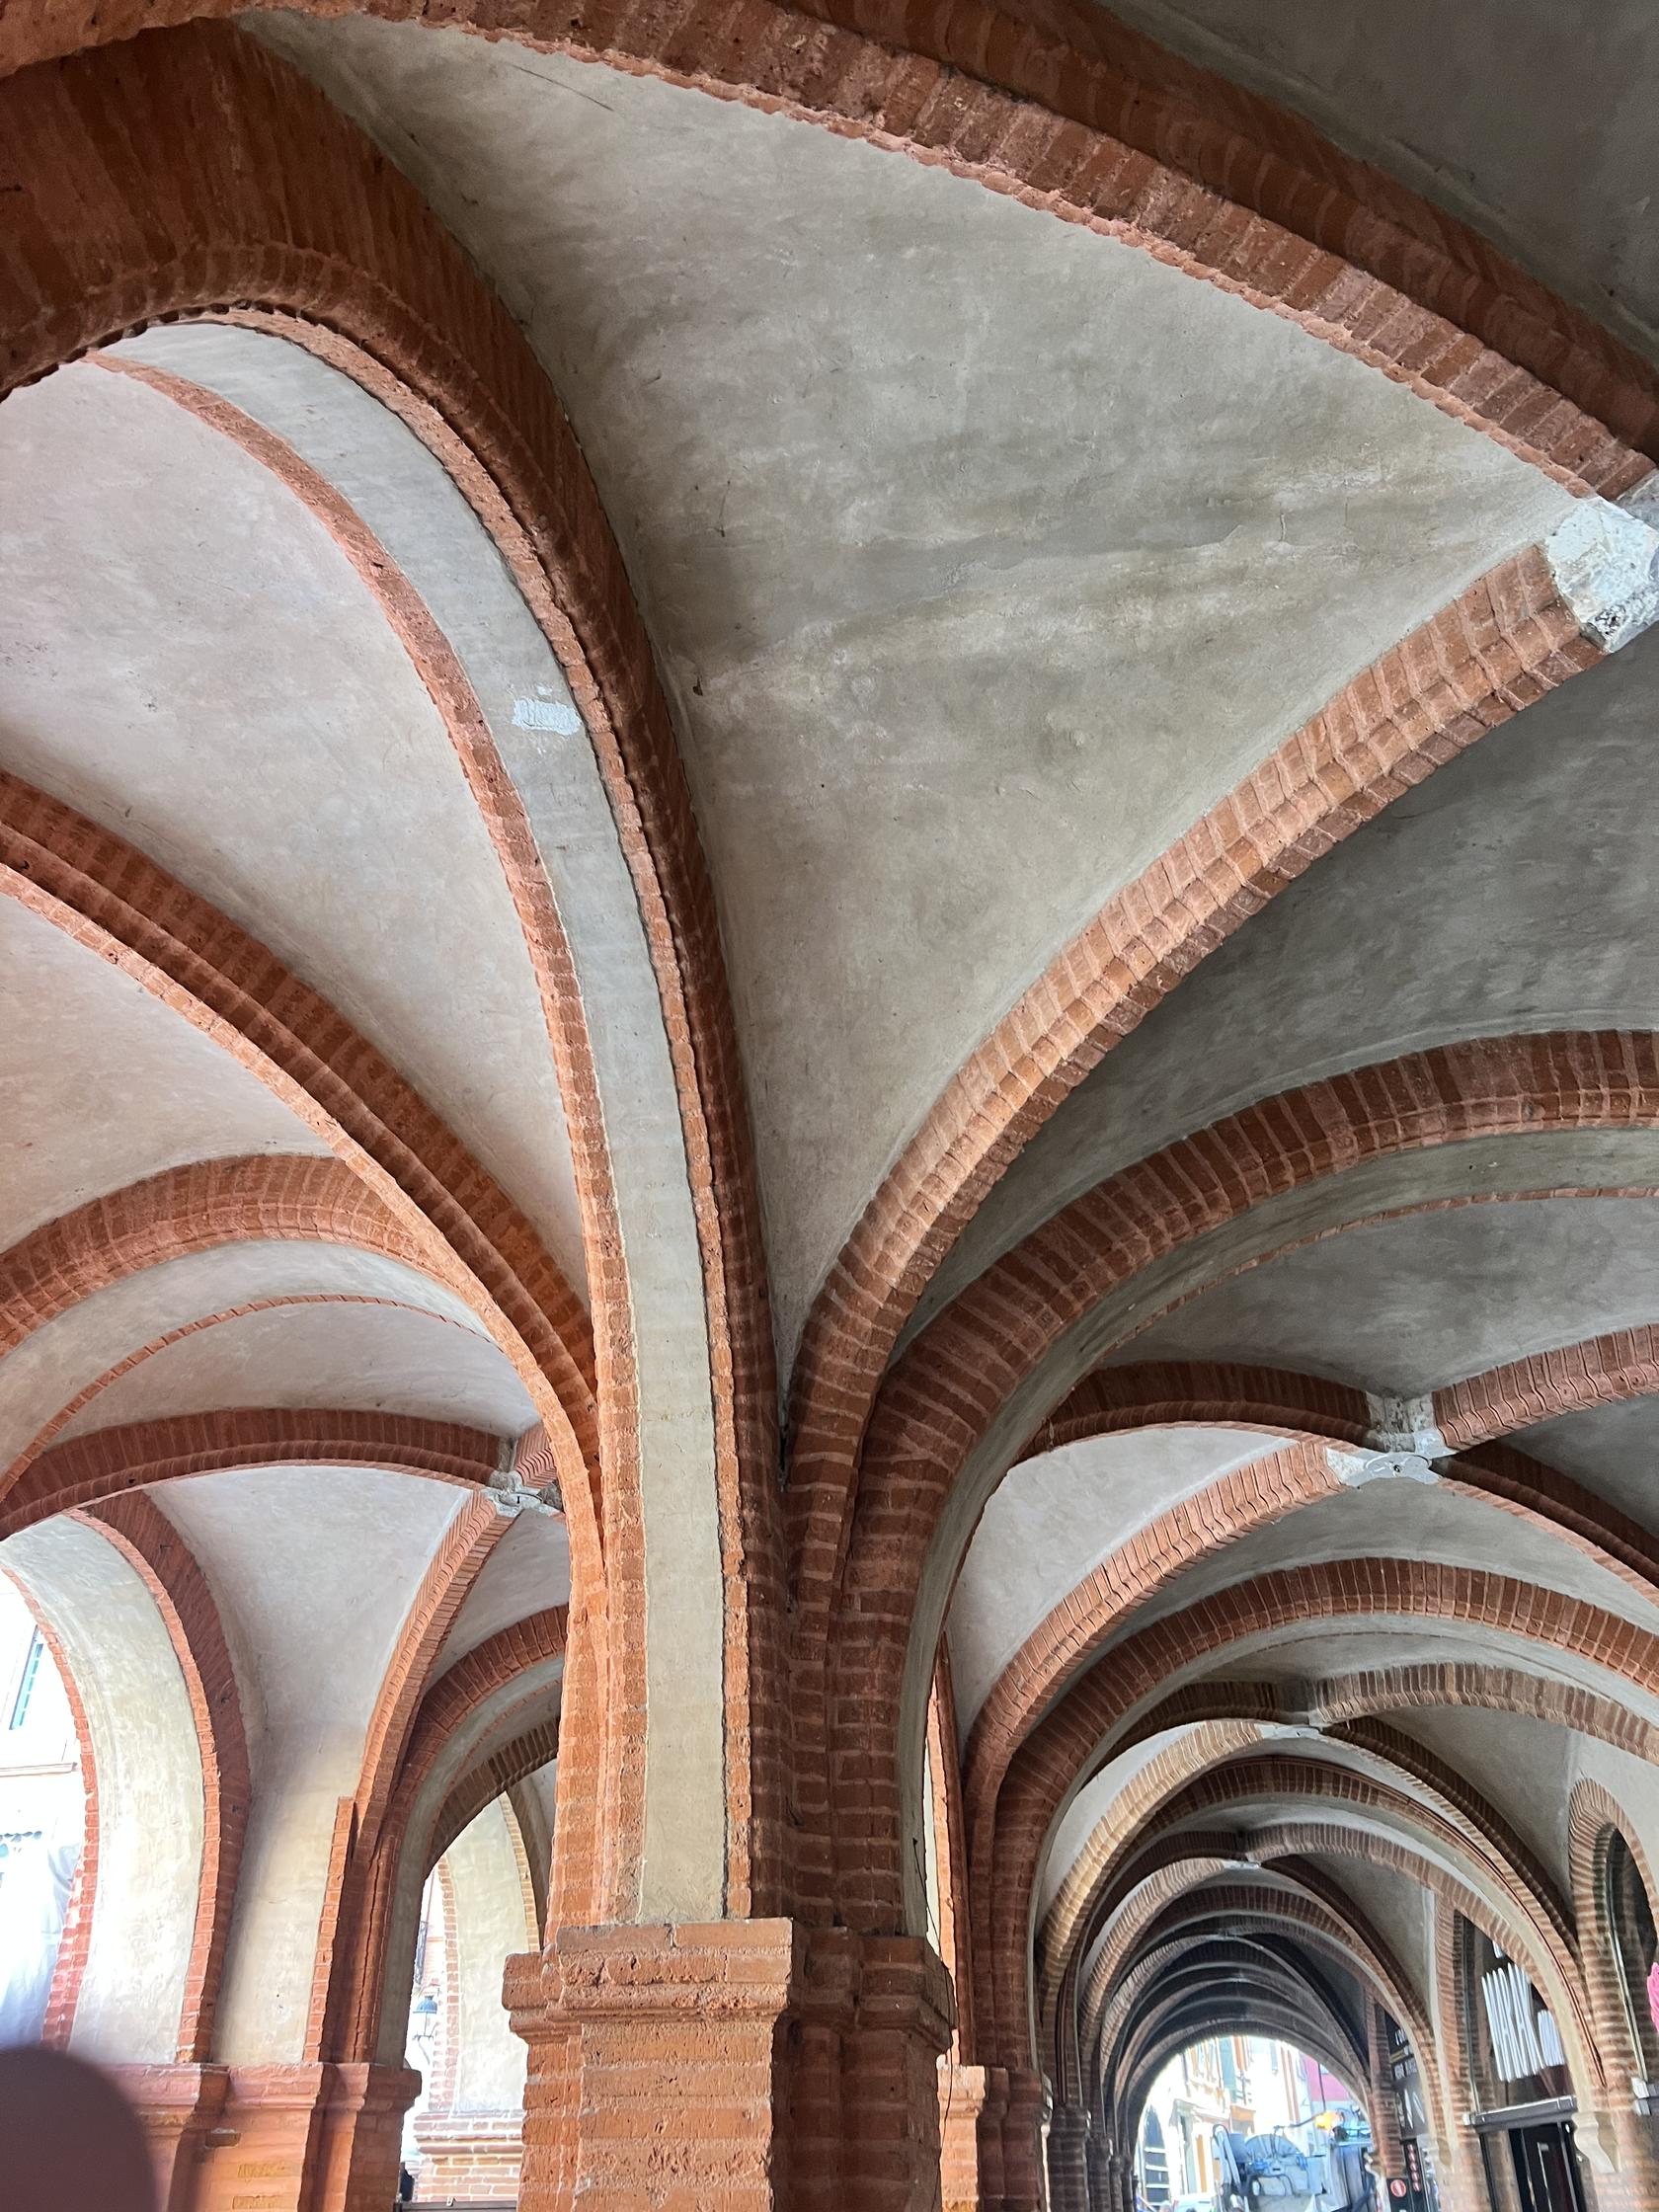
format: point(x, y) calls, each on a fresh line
point(1206, 1768)
point(87, 1471)
point(1192, 1901)
point(1477, 1837)
point(170, 1571)
point(940, 1405)
point(290, 218)
point(1061, 1751)
point(108, 895)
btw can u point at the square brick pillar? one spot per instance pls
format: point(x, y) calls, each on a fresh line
point(1069, 2145)
point(962, 2100)
point(749, 2064)
point(1021, 2106)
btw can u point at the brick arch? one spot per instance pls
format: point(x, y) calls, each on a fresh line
point(499, 1771)
point(453, 1568)
point(1285, 1984)
point(1298, 2022)
point(1284, 1901)
point(1340, 1701)
point(1102, 126)
point(1250, 1497)
point(1202, 1770)
point(1291, 1842)
point(1064, 1934)
point(1601, 1370)
point(349, 1986)
point(168, 1569)
point(1479, 1410)
point(111, 897)
point(87, 1471)
point(256, 1196)
point(1183, 1955)
point(933, 1430)
point(1594, 1818)
point(124, 1366)
point(1202, 1393)
point(290, 219)
point(1061, 1750)
point(1471, 1843)
point(1177, 1864)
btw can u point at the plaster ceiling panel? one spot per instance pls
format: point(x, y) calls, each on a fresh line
point(188, 656)
point(1612, 1448)
point(949, 667)
point(1410, 1304)
point(1091, 1805)
point(1293, 1655)
point(316, 1570)
point(56, 1364)
point(77, 1035)
point(1396, 1907)
point(367, 1358)
point(1405, 1520)
point(1525, 119)
point(526, 1572)
point(1054, 1519)
point(1522, 1765)
point(1507, 893)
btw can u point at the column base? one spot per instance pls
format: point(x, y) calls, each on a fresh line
point(738, 2062)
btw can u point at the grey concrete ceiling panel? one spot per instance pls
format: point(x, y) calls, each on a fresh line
point(1613, 1449)
point(101, 1084)
point(1406, 1305)
point(272, 745)
point(371, 1357)
point(1054, 1519)
point(921, 634)
point(1531, 122)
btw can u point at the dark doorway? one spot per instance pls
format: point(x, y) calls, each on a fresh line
point(1546, 2176)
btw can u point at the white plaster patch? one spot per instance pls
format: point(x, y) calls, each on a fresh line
point(1351, 1469)
point(546, 714)
point(1606, 565)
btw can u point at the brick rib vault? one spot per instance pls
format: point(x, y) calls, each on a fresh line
point(828, 1262)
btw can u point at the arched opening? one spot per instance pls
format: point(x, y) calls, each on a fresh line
point(1234, 2121)
point(42, 1817)
point(463, 2135)
point(1635, 1950)
point(1526, 2105)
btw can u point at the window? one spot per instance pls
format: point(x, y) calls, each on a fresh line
point(26, 1682)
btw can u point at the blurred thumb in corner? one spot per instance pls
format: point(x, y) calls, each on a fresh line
point(69, 2141)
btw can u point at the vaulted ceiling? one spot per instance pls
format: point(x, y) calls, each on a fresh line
point(984, 557)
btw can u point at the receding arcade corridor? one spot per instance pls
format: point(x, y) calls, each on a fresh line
point(829, 1100)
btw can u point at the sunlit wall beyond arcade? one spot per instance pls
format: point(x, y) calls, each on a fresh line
point(829, 1100)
